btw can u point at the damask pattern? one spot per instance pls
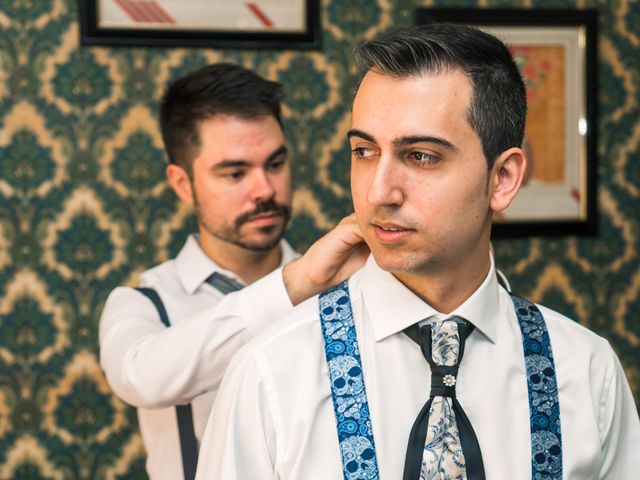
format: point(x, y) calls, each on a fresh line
point(443, 457)
point(84, 206)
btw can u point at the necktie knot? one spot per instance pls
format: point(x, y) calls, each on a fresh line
point(445, 342)
point(223, 283)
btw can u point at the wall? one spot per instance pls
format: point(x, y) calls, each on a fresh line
point(83, 207)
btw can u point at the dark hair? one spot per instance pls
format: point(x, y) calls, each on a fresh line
point(498, 107)
point(218, 89)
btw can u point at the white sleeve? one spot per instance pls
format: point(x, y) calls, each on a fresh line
point(149, 365)
point(619, 426)
point(239, 441)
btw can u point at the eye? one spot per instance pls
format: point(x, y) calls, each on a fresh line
point(423, 158)
point(235, 174)
point(362, 152)
point(276, 165)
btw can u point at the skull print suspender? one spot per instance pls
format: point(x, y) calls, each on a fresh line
point(351, 408)
point(347, 385)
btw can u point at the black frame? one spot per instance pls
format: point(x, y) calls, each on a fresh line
point(92, 34)
point(588, 19)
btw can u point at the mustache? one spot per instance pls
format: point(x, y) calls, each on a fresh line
point(267, 206)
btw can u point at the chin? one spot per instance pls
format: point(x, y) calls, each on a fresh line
point(405, 261)
point(391, 261)
point(262, 244)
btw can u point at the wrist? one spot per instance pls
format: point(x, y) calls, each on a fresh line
point(292, 281)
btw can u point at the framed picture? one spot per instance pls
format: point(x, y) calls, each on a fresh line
point(556, 52)
point(275, 24)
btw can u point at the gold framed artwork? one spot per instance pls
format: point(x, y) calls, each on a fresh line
point(277, 24)
point(556, 53)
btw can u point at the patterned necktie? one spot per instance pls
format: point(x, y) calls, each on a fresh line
point(442, 444)
point(223, 284)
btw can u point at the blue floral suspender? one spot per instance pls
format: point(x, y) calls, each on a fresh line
point(347, 385)
point(544, 406)
point(350, 399)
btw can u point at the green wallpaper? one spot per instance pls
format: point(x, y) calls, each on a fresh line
point(84, 207)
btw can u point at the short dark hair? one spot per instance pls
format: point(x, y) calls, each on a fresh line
point(217, 89)
point(498, 107)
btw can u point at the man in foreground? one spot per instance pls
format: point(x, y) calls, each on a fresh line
point(421, 366)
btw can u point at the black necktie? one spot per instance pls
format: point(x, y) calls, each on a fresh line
point(443, 380)
point(223, 284)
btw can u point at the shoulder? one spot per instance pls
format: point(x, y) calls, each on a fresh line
point(124, 299)
point(298, 327)
point(160, 274)
point(293, 344)
point(301, 324)
point(563, 330)
point(571, 333)
point(579, 353)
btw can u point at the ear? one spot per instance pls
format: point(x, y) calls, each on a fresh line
point(180, 182)
point(506, 178)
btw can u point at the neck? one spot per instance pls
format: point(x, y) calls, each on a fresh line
point(449, 288)
point(249, 265)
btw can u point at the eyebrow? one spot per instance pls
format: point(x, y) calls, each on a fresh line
point(402, 141)
point(354, 132)
point(411, 139)
point(244, 163)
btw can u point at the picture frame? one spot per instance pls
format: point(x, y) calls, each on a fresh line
point(557, 53)
point(256, 24)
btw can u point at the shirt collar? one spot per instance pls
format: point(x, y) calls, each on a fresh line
point(194, 266)
point(392, 307)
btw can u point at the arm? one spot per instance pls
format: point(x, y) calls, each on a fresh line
point(619, 426)
point(149, 365)
point(152, 366)
point(239, 441)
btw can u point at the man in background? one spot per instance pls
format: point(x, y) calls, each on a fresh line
point(164, 347)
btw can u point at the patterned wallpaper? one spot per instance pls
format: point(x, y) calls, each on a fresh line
point(84, 207)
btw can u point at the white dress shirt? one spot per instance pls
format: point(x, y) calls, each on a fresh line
point(155, 368)
point(274, 419)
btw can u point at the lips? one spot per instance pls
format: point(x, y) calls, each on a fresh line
point(265, 215)
point(390, 233)
point(265, 219)
point(390, 229)
point(389, 226)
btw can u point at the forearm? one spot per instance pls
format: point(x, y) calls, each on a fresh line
point(149, 365)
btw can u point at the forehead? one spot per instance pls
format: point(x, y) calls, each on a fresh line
point(434, 102)
point(228, 126)
point(231, 137)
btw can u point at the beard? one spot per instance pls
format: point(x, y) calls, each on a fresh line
point(232, 233)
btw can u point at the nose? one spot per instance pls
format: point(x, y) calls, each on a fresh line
point(385, 187)
point(262, 187)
